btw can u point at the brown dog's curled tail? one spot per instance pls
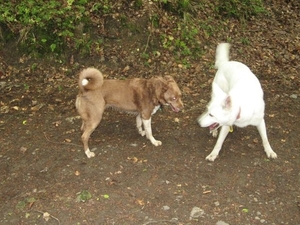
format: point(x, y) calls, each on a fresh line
point(90, 79)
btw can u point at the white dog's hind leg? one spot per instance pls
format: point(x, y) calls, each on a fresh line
point(148, 131)
point(139, 123)
point(215, 152)
point(263, 134)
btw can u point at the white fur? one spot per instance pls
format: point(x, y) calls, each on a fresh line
point(139, 124)
point(155, 109)
point(89, 154)
point(237, 99)
point(148, 130)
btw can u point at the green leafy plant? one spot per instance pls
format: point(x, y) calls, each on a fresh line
point(175, 6)
point(53, 26)
point(240, 9)
point(43, 26)
point(83, 196)
point(25, 202)
point(185, 42)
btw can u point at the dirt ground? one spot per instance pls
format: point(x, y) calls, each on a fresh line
point(45, 177)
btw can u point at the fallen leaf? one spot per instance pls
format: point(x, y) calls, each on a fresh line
point(77, 173)
point(23, 149)
point(126, 69)
point(37, 107)
point(140, 202)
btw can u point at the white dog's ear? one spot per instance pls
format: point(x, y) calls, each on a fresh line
point(227, 103)
point(217, 91)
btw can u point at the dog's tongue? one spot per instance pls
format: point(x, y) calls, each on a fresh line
point(213, 126)
point(174, 109)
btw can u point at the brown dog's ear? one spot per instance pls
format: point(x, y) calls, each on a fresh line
point(159, 86)
point(169, 78)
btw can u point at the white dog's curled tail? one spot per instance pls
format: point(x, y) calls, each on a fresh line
point(90, 79)
point(222, 54)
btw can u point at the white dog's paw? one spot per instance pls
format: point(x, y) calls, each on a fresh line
point(271, 155)
point(215, 133)
point(211, 157)
point(89, 154)
point(156, 143)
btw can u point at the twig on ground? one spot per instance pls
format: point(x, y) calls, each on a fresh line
point(147, 44)
point(61, 143)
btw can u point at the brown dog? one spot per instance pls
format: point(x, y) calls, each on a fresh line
point(141, 96)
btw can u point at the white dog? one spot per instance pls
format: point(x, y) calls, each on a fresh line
point(237, 99)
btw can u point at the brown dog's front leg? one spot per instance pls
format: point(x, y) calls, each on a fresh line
point(148, 131)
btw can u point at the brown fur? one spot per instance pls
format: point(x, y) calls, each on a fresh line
point(141, 96)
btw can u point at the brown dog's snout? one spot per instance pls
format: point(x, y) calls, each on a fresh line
point(180, 105)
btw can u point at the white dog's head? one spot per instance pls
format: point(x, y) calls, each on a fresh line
point(218, 111)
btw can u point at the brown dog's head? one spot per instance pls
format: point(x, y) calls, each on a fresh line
point(172, 94)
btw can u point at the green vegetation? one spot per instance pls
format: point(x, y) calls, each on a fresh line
point(43, 27)
point(240, 9)
point(83, 196)
point(56, 26)
point(184, 43)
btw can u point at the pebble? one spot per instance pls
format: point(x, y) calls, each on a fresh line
point(165, 207)
point(196, 212)
point(294, 96)
point(221, 223)
point(217, 203)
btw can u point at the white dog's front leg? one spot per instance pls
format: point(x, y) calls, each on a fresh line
point(148, 131)
point(139, 123)
point(215, 152)
point(263, 134)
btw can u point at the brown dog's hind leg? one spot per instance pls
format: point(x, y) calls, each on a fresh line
point(85, 139)
point(82, 128)
point(89, 125)
point(139, 124)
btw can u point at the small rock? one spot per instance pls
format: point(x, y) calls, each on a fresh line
point(196, 212)
point(23, 149)
point(217, 203)
point(294, 96)
point(133, 144)
point(221, 223)
point(165, 207)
